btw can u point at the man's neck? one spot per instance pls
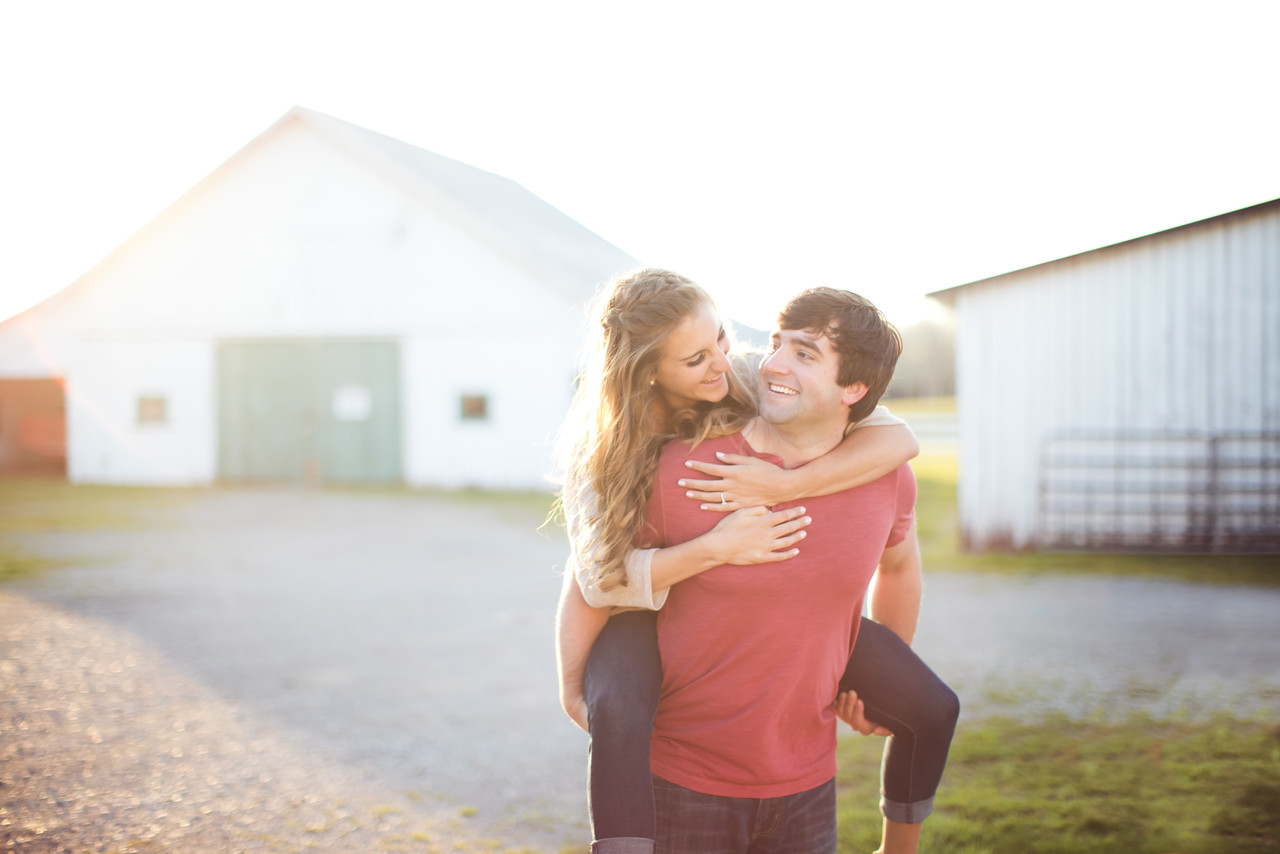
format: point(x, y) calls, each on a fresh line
point(793, 444)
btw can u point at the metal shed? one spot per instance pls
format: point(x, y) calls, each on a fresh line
point(1127, 397)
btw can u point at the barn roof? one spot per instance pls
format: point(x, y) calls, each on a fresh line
point(570, 256)
point(948, 293)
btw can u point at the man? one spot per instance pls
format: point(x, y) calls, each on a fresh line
point(743, 750)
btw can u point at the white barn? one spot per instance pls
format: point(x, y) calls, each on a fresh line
point(329, 304)
point(1127, 397)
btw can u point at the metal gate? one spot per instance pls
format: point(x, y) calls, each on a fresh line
point(1217, 492)
point(309, 411)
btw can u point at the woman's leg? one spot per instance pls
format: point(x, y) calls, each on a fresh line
point(900, 692)
point(621, 684)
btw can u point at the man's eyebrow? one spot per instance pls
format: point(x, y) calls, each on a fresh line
point(808, 343)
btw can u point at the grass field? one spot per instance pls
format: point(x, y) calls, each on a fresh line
point(1058, 786)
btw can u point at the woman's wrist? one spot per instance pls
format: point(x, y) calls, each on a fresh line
point(791, 486)
point(710, 549)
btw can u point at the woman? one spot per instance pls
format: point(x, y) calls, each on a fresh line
point(659, 369)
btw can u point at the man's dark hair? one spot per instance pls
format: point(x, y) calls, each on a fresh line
point(868, 344)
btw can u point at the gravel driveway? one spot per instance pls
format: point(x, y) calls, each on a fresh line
point(279, 670)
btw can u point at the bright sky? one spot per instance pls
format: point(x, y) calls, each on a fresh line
point(891, 148)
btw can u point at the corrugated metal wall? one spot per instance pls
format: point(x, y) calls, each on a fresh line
point(1169, 346)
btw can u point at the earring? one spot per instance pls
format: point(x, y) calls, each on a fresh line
point(651, 382)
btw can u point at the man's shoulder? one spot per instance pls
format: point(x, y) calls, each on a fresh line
point(903, 478)
point(886, 489)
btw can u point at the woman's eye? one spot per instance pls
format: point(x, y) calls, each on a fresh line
point(696, 362)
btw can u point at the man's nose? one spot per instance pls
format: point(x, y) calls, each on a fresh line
point(774, 363)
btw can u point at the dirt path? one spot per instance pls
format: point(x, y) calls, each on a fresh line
point(109, 748)
point(362, 671)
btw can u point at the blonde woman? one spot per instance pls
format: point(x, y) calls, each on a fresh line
point(659, 367)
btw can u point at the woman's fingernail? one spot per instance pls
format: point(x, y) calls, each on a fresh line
point(681, 483)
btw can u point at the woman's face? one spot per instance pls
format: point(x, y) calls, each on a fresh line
point(693, 366)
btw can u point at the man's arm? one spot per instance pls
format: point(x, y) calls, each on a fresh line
point(577, 627)
point(894, 596)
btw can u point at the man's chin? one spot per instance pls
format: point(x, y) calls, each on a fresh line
point(775, 414)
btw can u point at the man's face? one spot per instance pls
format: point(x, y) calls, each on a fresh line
point(798, 380)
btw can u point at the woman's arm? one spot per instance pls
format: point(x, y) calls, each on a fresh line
point(870, 451)
point(577, 627)
point(749, 537)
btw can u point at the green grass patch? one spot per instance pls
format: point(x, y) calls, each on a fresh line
point(905, 407)
point(938, 526)
point(15, 563)
point(44, 506)
point(1060, 786)
point(51, 506)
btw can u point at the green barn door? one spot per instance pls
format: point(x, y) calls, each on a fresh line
point(309, 411)
point(358, 433)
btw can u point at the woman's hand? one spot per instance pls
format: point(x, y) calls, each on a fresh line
point(755, 535)
point(575, 706)
point(850, 710)
point(739, 481)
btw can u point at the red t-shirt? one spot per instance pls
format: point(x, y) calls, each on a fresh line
point(751, 655)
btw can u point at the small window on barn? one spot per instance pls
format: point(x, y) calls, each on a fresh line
point(153, 409)
point(475, 407)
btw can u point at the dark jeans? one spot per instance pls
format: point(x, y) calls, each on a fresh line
point(691, 822)
point(623, 680)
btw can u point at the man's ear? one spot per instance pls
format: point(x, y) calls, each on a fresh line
point(853, 393)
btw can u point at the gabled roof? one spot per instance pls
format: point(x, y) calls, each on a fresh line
point(570, 256)
point(948, 293)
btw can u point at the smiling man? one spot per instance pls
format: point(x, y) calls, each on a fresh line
point(743, 750)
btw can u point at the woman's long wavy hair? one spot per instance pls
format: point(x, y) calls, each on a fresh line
point(613, 435)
